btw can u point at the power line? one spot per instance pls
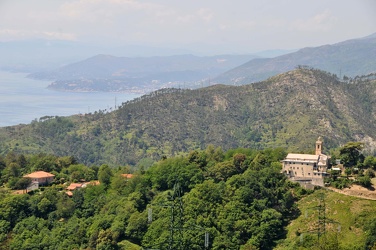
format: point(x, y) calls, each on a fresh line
point(176, 226)
point(322, 220)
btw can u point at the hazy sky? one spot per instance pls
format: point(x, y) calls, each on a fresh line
point(236, 26)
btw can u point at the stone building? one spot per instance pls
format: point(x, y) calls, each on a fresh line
point(309, 170)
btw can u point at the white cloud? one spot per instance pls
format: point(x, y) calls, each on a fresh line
point(323, 21)
point(248, 24)
point(205, 14)
point(14, 34)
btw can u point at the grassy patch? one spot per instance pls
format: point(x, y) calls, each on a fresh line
point(350, 213)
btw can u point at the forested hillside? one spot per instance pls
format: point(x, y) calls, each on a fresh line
point(289, 110)
point(238, 199)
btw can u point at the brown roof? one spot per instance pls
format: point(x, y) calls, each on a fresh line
point(93, 183)
point(128, 176)
point(39, 174)
point(69, 193)
point(73, 186)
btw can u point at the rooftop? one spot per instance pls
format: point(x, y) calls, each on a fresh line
point(39, 174)
point(305, 157)
point(128, 176)
point(73, 186)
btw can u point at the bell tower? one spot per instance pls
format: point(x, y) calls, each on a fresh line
point(319, 146)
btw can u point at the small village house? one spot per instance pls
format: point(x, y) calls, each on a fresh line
point(41, 177)
point(74, 186)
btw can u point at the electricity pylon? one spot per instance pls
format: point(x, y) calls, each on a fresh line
point(322, 219)
point(174, 203)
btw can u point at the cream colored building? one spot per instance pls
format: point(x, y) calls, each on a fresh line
point(307, 168)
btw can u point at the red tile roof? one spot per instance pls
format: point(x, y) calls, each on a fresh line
point(128, 176)
point(69, 193)
point(73, 186)
point(39, 174)
point(93, 183)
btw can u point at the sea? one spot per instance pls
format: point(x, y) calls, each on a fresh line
point(23, 99)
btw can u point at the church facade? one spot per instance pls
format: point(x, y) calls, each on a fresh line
point(309, 170)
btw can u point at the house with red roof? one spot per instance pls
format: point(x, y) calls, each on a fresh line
point(127, 176)
point(40, 177)
point(74, 186)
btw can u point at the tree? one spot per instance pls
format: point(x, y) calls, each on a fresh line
point(348, 172)
point(4, 229)
point(45, 206)
point(65, 206)
point(80, 171)
point(370, 162)
point(238, 160)
point(2, 163)
point(364, 181)
point(104, 175)
point(350, 153)
point(137, 226)
point(22, 183)
point(222, 171)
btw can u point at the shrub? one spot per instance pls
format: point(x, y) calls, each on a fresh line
point(341, 183)
point(364, 181)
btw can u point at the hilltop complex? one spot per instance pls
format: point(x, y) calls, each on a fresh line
point(309, 170)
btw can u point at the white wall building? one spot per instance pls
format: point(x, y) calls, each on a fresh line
point(307, 168)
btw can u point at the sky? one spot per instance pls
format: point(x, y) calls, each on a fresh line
point(215, 26)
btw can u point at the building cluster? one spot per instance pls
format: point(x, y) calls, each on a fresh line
point(42, 178)
point(307, 169)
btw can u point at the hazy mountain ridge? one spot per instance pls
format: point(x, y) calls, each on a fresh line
point(350, 58)
point(36, 55)
point(289, 110)
point(110, 73)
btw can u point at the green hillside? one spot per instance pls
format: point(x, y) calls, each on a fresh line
point(348, 223)
point(238, 197)
point(289, 110)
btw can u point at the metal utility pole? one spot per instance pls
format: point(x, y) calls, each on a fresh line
point(176, 239)
point(176, 219)
point(322, 219)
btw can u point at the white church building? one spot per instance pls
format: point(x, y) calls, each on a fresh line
point(307, 169)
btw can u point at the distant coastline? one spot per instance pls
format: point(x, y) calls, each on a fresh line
point(23, 99)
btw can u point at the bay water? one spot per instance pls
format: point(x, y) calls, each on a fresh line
point(23, 100)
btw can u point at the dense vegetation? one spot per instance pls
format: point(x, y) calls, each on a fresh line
point(350, 223)
point(277, 112)
point(356, 167)
point(238, 197)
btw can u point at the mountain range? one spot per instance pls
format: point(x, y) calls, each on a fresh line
point(145, 74)
point(110, 73)
point(349, 58)
point(289, 110)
